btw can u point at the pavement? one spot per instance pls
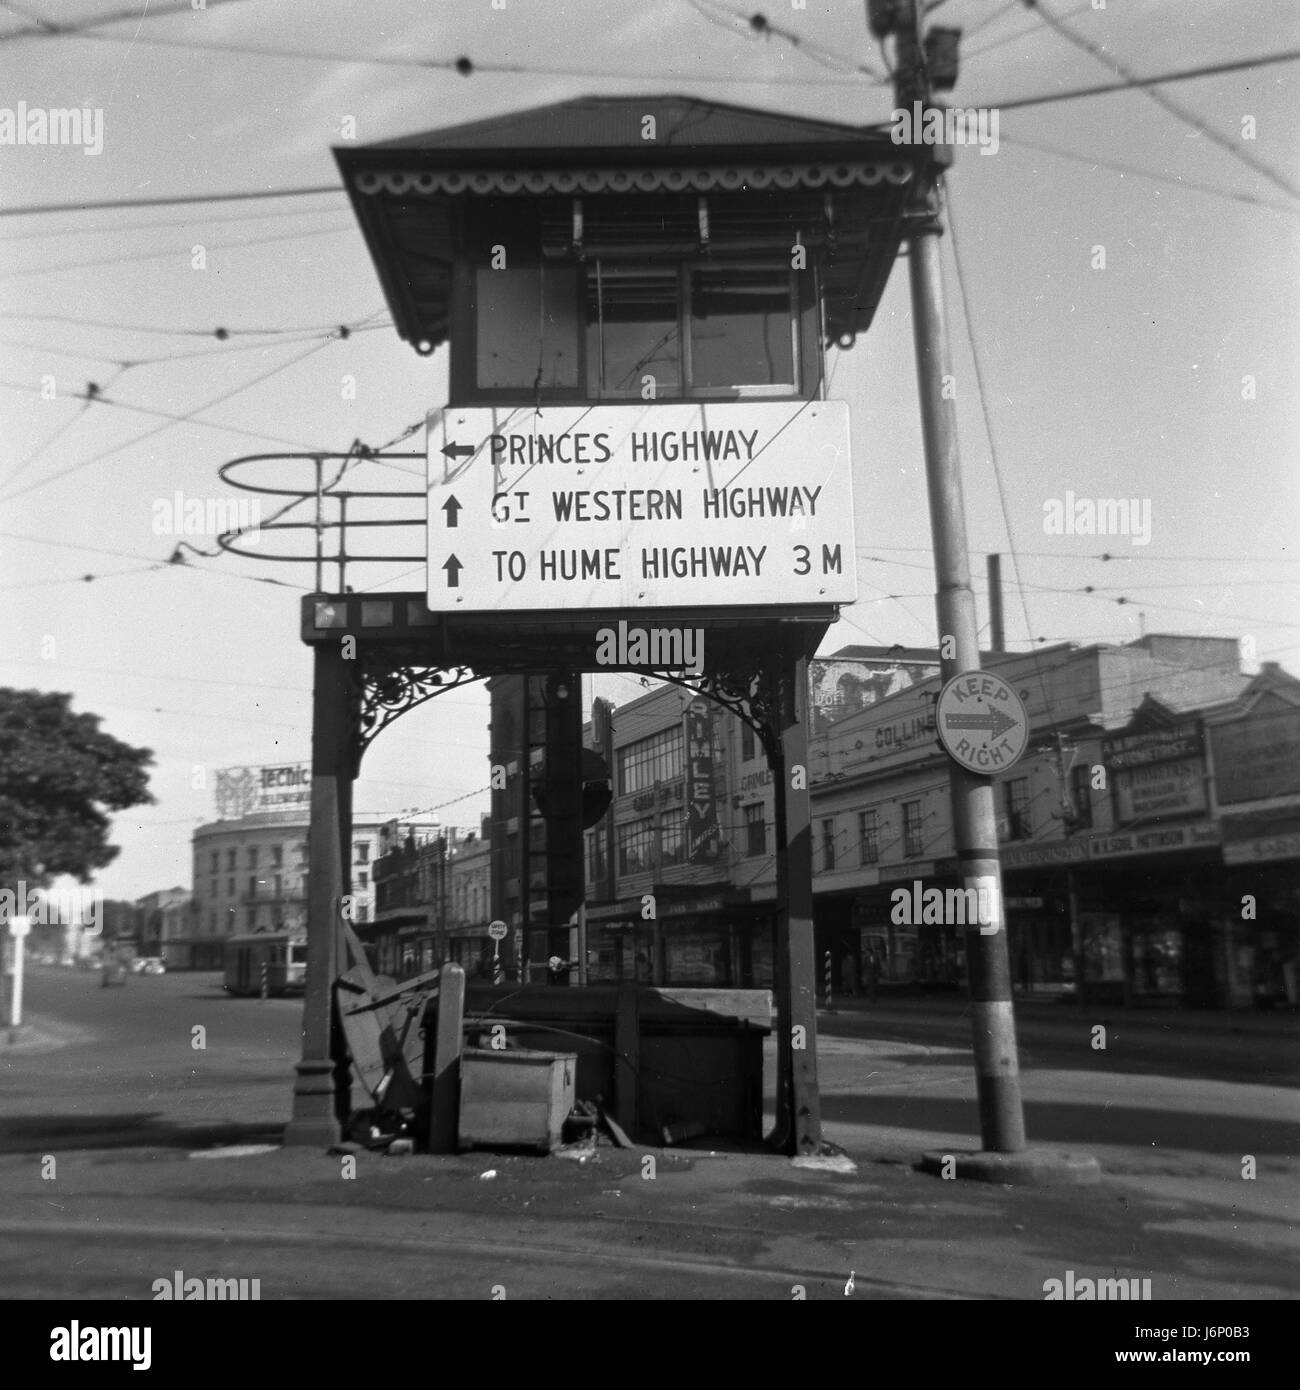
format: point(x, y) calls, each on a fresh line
point(102, 1197)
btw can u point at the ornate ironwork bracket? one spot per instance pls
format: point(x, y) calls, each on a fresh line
point(748, 695)
point(387, 691)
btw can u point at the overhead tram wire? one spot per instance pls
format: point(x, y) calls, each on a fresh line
point(1192, 185)
point(220, 333)
point(1027, 33)
point(757, 24)
point(179, 253)
point(1167, 104)
point(188, 418)
point(165, 224)
point(1123, 601)
point(462, 65)
point(1015, 103)
point(132, 362)
point(1134, 83)
point(1110, 555)
point(51, 29)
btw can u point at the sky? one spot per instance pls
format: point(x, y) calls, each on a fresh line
point(1161, 369)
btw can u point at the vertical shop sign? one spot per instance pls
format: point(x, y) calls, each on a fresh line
point(702, 835)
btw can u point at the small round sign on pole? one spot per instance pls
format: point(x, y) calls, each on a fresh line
point(981, 722)
point(497, 931)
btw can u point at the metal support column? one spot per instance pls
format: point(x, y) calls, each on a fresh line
point(320, 1090)
point(798, 1104)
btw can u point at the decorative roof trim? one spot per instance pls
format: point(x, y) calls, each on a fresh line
point(730, 177)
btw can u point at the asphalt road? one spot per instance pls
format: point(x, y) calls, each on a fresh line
point(165, 1067)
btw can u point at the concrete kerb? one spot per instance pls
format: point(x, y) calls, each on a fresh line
point(1028, 1168)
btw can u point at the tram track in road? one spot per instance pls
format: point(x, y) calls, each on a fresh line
point(180, 1243)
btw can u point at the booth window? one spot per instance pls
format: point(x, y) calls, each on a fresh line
point(619, 330)
point(633, 330)
point(714, 331)
point(526, 329)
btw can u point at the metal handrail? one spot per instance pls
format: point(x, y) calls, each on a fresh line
point(229, 540)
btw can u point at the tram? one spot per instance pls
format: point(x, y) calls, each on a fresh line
point(283, 956)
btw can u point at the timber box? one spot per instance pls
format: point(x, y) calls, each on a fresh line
point(515, 1098)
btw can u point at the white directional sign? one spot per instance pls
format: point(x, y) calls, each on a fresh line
point(981, 721)
point(640, 506)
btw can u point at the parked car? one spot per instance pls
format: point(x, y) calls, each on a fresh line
point(153, 965)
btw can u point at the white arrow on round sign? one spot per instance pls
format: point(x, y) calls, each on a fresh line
point(981, 721)
point(497, 930)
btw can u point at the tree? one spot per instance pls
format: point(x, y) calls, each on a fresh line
point(59, 775)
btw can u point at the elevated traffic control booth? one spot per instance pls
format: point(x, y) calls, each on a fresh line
point(637, 468)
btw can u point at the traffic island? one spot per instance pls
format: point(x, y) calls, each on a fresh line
point(1027, 1168)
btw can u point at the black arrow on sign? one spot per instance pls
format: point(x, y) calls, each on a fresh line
point(453, 568)
point(452, 508)
point(457, 451)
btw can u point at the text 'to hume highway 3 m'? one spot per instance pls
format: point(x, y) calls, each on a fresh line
point(687, 505)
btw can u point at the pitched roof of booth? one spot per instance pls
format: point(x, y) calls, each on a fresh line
point(616, 124)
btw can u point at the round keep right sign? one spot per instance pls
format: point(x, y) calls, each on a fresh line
point(981, 721)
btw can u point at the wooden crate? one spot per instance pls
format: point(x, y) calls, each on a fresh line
point(514, 1099)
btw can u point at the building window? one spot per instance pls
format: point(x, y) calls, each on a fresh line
point(1081, 797)
point(913, 844)
point(212, 888)
point(868, 838)
point(672, 840)
point(216, 861)
point(278, 885)
point(828, 845)
point(361, 878)
point(362, 850)
point(755, 830)
point(596, 866)
point(252, 886)
point(277, 856)
point(302, 853)
point(658, 758)
point(230, 888)
point(1016, 803)
point(230, 859)
point(252, 856)
point(746, 743)
point(635, 841)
